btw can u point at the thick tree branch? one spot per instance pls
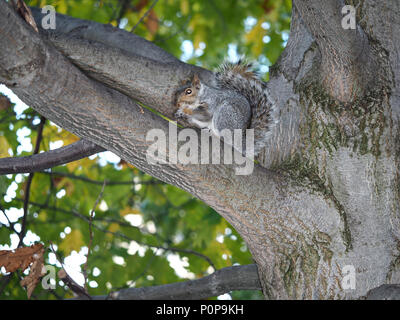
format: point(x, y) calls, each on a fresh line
point(324, 21)
point(383, 22)
point(49, 159)
point(106, 34)
point(141, 70)
point(385, 292)
point(347, 64)
point(148, 81)
point(220, 282)
point(299, 42)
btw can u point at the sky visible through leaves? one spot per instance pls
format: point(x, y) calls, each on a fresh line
point(145, 232)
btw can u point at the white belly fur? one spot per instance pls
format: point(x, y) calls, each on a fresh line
point(206, 125)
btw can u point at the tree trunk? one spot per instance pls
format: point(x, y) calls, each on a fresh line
point(326, 193)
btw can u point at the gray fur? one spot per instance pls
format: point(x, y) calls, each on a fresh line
point(255, 91)
point(230, 110)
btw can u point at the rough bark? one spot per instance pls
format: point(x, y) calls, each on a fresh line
point(217, 283)
point(326, 193)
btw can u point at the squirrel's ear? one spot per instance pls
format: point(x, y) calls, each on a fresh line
point(196, 80)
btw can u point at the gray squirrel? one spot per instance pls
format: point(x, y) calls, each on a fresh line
point(239, 100)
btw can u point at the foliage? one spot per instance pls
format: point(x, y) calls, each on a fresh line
point(140, 224)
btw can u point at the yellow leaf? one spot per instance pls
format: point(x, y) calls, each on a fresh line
point(114, 227)
point(72, 166)
point(49, 132)
point(149, 36)
point(222, 226)
point(62, 7)
point(255, 37)
point(273, 16)
point(199, 37)
point(129, 210)
point(196, 7)
point(73, 241)
point(197, 21)
point(66, 184)
point(4, 146)
point(113, 23)
point(85, 163)
point(68, 137)
point(42, 216)
point(185, 7)
point(125, 165)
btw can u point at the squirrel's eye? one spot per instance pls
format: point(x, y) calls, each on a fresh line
point(188, 91)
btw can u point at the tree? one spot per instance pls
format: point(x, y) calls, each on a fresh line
point(324, 195)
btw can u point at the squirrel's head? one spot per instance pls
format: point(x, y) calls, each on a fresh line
point(189, 103)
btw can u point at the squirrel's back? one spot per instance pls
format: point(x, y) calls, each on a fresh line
point(240, 78)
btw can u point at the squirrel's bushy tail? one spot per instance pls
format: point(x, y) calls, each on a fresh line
point(240, 78)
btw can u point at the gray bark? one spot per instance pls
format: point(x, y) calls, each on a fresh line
point(326, 192)
point(385, 292)
point(217, 283)
point(49, 159)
